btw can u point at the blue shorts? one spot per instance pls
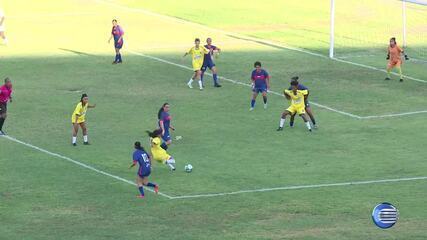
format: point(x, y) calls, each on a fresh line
point(118, 45)
point(208, 64)
point(144, 172)
point(259, 89)
point(166, 137)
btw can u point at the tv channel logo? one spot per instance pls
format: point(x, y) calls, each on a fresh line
point(385, 215)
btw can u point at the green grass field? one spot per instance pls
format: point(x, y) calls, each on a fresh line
point(58, 49)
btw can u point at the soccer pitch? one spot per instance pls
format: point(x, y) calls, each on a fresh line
point(249, 181)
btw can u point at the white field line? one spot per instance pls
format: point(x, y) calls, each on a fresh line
point(239, 83)
point(267, 42)
point(215, 194)
point(394, 115)
point(47, 15)
point(300, 187)
point(354, 56)
point(79, 163)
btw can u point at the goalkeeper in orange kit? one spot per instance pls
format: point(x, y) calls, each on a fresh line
point(394, 58)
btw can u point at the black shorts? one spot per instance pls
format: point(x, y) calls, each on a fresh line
point(3, 108)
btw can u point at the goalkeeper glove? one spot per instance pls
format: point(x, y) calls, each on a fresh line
point(388, 57)
point(406, 57)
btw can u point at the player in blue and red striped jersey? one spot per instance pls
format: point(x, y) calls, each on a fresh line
point(165, 124)
point(117, 33)
point(260, 84)
point(5, 97)
point(141, 157)
point(307, 104)
point(208, 61)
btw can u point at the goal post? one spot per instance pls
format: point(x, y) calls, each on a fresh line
point(358, 26)
point(332, 30)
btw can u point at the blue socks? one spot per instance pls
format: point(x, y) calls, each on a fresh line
point(141, 190)
point(265, 99)
point(252, 103)
point(215, 78)
point(118, 58)
point(164, 146)
point(151, 184)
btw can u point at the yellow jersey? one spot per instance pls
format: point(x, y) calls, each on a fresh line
point(80, 113)
point(198, 54)
point(159, 154)
point(298, 99)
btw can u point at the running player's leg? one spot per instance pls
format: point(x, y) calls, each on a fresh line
point(140, 184)
point(287, 112)
point(170, 161)
point(399, 69)
point(291, 122)
point(264, 98)
point(204, 68)
point(119, 55)
point(116, 59)
point(198, 76)
point(254, 96)
point(3, 115)
point(307, 123)
point(146, 183)
point(166, 140)
point(84, 129)
point(310, 114)
point(215, 76)
point(390, 67)
point(190, 82)
point(75, 131)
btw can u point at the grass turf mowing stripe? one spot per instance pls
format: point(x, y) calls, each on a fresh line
point(244, 37)
point(78, 163)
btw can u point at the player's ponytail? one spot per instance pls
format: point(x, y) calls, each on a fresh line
point(161, 110)
point(84, 95)
point(154, 133)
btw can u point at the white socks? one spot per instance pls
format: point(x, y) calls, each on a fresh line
point(282, 122)
point(308, 125)
point(85, 139)
point(200, 84)
point(171, 163)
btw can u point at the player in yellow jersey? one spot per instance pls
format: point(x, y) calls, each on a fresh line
point(197, 53)
point(297, 98)
point(158, 153)
point(79, 119)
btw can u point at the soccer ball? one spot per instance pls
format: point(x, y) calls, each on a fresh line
point(188, 168)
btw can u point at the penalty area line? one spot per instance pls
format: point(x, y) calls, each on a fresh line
point(278, 94)
point(243, 37)
point(239, 83)
point(79, 163)
point(297, 187)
